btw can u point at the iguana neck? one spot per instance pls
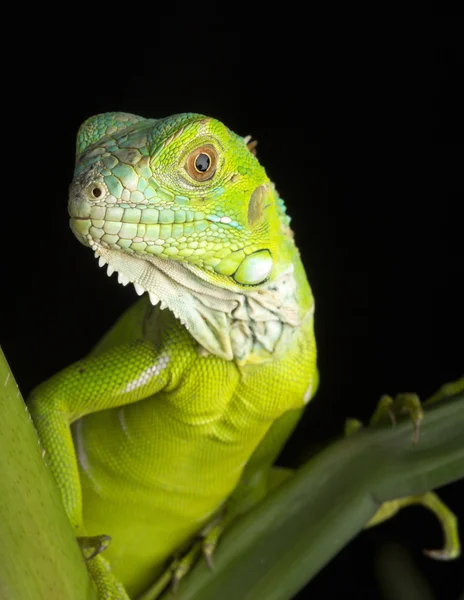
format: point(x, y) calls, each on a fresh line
point(247, 326)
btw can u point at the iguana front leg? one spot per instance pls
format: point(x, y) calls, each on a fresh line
point(119, 376)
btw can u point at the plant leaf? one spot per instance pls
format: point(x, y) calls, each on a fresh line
point(39, 555)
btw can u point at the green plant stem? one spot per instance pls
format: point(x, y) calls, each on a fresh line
point(274, 550)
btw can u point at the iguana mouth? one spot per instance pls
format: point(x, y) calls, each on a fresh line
point(171, 229)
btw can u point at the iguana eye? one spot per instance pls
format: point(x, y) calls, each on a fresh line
point(201, 163)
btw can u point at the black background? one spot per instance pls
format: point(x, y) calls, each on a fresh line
point(363, 133)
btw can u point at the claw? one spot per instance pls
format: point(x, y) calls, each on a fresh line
point(415, 434)
point(210, 541)
point(96, 544)
point(385, 406)
point(182, 566)
point(403, 403)
point(410, 404)
point(442, 554)
point(391, 413)
point(205, 544)
point(446, 518)
point(208, 550)
point(176, 577)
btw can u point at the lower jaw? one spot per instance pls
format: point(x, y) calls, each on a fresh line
point(249, 265)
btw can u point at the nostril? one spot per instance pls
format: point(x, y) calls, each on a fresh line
point(95, 190)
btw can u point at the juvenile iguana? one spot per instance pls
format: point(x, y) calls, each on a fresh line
point(192, 394)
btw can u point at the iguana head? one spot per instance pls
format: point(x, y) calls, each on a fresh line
point(174, 204)
point(184, 188)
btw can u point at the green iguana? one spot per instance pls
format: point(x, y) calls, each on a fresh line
point(189, 398)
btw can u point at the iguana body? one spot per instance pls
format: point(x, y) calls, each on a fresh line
point(149, 435)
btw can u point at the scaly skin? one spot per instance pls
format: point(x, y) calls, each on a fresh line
point(150, 434)
point(177, 411)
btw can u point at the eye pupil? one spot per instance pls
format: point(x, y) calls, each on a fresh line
point(202, 162)
point(96, 192)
